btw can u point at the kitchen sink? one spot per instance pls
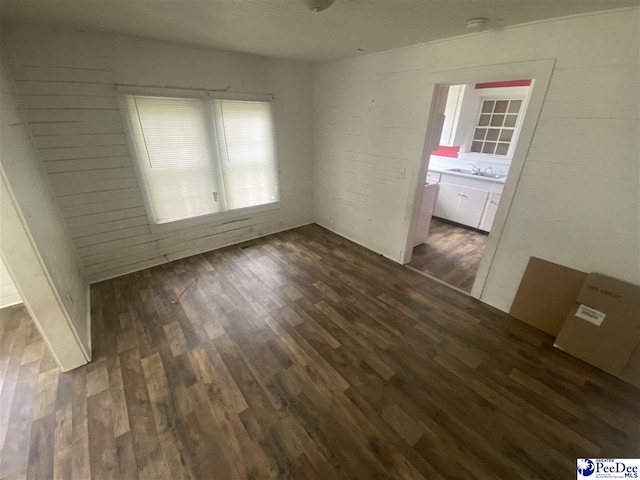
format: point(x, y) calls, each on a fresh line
point(465, 171)
point(489, 175)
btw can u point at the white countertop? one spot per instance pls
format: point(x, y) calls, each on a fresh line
point(466, 175)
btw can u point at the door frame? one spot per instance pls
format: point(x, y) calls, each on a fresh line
point(540, 72)
point(39, 294)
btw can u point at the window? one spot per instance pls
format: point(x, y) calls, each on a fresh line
point(200, 156)
point(496, 126)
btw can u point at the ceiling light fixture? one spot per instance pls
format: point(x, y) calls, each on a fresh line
point(477, 24)
point(318, 5)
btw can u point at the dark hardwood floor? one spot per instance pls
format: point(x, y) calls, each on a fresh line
point(302, 355)
point(452, 254)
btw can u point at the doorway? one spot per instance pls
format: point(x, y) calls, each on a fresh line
point(482, 121)
point(480, 127)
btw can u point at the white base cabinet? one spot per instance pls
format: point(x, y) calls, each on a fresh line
point(448, 200)
point(468, 201)
point(490, 211)
point(459, 204)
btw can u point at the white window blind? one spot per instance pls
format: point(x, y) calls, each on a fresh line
point(245, 140)
point(200, 156)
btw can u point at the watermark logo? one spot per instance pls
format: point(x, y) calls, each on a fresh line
point(586, 467)
point(591, 469)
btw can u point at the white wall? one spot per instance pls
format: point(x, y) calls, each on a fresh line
point(36, 247)
point(8, 293)
point(66, 84)
point(577, 202)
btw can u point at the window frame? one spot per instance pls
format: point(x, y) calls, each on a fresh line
point(217, 218)
point(515, 128)
point(504, 94)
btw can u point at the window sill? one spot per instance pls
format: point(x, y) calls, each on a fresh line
point(213, 219)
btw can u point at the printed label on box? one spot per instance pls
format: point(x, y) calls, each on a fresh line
point(590, 315)
point(592, 468)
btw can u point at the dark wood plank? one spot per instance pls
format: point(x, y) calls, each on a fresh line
point(146, 442)
point(63, 443)
point(103, 454)
point(41, 449)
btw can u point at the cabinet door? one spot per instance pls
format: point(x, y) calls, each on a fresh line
point(447, 203)
point(471, 207)
point(490, 212)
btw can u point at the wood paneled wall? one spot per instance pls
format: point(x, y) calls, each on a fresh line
point(577, 201)
point(66, 81)
point(35, 244)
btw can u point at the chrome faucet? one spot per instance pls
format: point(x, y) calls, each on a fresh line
point(475, 170)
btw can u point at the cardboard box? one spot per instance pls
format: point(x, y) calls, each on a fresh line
point(546, 294)
point(603, 327)
point(631, 372)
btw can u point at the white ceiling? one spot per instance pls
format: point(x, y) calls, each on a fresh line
point(286, 28)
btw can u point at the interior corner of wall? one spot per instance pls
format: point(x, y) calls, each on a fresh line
point(87, 342)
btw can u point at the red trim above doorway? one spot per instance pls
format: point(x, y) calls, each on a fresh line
point(507, 83)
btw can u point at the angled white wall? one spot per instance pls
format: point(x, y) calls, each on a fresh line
point(34, 243)
point(8, 292)
point(66, 81)
point(577, 201)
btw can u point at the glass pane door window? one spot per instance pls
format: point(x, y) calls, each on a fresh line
point(496, 125)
